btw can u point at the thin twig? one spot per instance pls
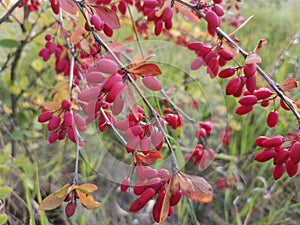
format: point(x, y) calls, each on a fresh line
point(10, 11)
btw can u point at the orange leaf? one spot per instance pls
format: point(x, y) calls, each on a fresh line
point(195, 187)
point(288, 84)
point(69, 6)
point(150, 157)
point(149, 69)
point(108, 16)
point(164, 213)
point(55, 199)
point(87, 200)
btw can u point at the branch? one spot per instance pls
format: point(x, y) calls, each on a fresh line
point(10, 11)
point(244, 53)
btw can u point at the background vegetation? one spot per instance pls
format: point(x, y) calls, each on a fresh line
point(30, 168)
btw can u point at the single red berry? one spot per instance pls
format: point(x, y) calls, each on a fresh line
point(157, 140)
point(97, 22)
point(54, 123)
point(66, 104)
point(228, 72)
point(278, 171)
point(175, 197)
point(45, 116)
point(70, 209)
point(291, 168)
point(272, 118)
point(272, 142)
point(125, 184)
point(248, 100)
point(242, 109)
point(249, 69)
point(281, 156)
point(295, 152)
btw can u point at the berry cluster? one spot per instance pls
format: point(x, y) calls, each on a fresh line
point(32, 5)
point(285, 152)
point(224, 182)
point(200, 155)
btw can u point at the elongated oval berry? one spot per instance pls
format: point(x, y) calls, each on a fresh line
point(228, 72)
point(278, 171)
point(295, 152)
point(117, 107)
point(265, 155)
point(110, 81)
point(242, 109)
point(133, 131)
point(225, 55)
point(248, 100)
point(218, 10)
point(115, 91)
point(45, 116)
point(158, 27)
point(139, 187)
point(212, 19)
point(95, 77)
point(259, 140)
point(107, 66)
point(233, 85)
point(249, 69)
point(53, 136)
point(263, 93)
point(125, 184)
point(175, 197)
point(197, 63)
point(136, 205)
point(281, 156)
point(157, 140)
point(149, 173)
point(163, 173)
point(68, 119)
point(157, 206)
point(251, 84)
point(132, 144)
point(217, 1)
point(291, 168)
point(97, 22)
point(145, 144)
point(54, 123)
point(167, 14)
point(108, 31)
point(272, 118)
point(79, 120)
point(89, 94)
point(152, 83)
point(272, 142)
point(70, 209)
point(196, 46)
point(147, 195)
point(122, 7)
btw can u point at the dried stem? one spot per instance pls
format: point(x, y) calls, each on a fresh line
point(9, 12)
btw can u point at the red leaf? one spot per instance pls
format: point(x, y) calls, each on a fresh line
point(108, 16)
point(150, 157)
point(131, 101)
point(68, 6)
point(149, 69)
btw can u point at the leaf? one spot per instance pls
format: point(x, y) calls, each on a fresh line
point(88, 188)
point(259, 45)
point(150, 157)
point(87, 200)
point(5, 191)
point(186, 13)
point(108, 16)
point(195, 187)
point(149, 69)
point(69, 6)
point(55, 199)
point(288, 84)
point(164, 213)
point(9, 43)
point(253, 58)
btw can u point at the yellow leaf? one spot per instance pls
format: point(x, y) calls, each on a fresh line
point(88, 188)
point(52, 106)
point(195, 187)
point(55, 199)
point(87, 200)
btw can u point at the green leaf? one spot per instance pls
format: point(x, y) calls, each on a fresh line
point(9, 43)
point(3, 219)
point(4, 192)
